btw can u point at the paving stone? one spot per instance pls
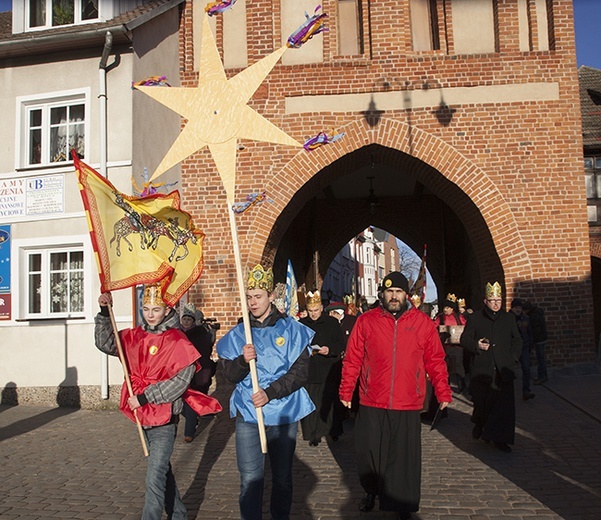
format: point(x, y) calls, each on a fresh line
point(82, 464)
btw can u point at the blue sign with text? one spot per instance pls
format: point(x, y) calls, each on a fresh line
point(5, 259)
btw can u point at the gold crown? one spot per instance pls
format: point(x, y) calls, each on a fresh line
point(452, 298)
point(494, 290)
point(259, 278)
point(416, 299)
point(313, 298)
point(461, 302)
point(153, 295)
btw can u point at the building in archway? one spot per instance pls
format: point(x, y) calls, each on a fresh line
point(461, 130)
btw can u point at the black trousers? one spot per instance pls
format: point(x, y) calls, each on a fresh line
point(389, 456)
point(494, 410)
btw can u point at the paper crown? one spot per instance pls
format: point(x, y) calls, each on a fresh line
point(460, 302)
point(451, 298)
point(494, 290)
point(259, 278)
point(153, 295)
point(189, 310)
point(416, 300)
point(313, 298)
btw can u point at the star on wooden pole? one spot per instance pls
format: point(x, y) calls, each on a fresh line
point(217, 112)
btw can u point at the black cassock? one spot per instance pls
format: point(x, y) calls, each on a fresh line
point(389, 456)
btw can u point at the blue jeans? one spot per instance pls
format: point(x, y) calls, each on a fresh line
point(191, 421)
point(540, 359)
point(161, 490)
point(281, 443)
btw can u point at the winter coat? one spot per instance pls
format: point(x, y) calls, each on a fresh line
point(501, 359)
point(327, 334)
point(391, 358)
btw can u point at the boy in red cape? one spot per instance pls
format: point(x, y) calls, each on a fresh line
point(161, 363)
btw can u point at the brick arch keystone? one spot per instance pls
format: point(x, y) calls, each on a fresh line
point(435, 152)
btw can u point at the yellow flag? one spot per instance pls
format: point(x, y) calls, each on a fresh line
point(140, 240)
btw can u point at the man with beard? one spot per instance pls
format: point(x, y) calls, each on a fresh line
point(390, 351)
point(492, 336)
point(324, 379)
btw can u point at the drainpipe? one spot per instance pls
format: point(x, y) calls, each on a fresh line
point(108, 44)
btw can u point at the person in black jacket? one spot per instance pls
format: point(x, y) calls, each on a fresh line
point(324, 373)
point(492, 336)
point(539, 332)
point(203, 341)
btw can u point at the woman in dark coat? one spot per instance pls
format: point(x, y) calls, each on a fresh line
point(324, 378)
point(492, 336)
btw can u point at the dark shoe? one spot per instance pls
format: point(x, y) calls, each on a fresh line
point(477, 432)
point(314, 442)
point(188, 439)
point(541, 380)
point(528, 395)
point(367, 503)
point(503, 447)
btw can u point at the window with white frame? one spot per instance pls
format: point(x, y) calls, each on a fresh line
point(53, 13)
point(50, 128)
point(55, 282)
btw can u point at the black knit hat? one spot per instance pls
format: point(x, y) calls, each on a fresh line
point(396, 280)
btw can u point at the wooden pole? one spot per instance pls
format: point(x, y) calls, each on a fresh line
point(126, 375)
point(247, 330)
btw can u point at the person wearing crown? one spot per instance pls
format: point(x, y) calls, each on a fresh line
point(390, 351)
point(281, 348)
point(324, 373)
point(492, 337)
point(450, 317)
point(161, 362)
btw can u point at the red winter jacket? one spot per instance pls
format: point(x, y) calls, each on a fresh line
point(391, 358)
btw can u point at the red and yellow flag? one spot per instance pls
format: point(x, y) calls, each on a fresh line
point(140, 240)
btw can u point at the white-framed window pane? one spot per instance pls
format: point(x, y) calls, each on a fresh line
point(588, 163)
point(37, 13)
point(63, 12)
point(89, 9)
point(34, 283)
point(598, 163)
point(52, 130)
point(55, 282)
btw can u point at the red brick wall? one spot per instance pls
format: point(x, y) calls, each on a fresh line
point(518, 166)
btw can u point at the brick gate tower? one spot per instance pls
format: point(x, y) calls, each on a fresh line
point(463, 113)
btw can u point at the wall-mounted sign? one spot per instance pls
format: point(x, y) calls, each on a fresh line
point(4, 259)
point(32, 196)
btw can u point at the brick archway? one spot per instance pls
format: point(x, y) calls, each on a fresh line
point(596, 250)
point(473, 182)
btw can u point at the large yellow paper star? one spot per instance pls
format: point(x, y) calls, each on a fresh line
point(217, 112)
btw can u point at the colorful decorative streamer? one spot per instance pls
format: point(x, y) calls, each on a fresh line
point(214, 8)
point(152, 81)
point(320, 139)
point(251, 200)
point(313, 25)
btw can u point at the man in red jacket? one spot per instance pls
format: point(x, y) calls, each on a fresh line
point(390, 351)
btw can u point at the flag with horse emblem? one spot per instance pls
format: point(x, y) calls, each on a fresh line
point(140, 240)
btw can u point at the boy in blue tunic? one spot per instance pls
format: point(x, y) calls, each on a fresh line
point(281, 347)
